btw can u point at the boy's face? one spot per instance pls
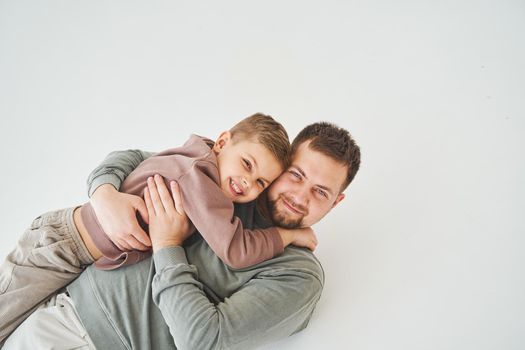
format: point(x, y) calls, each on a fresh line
point(246, 168)
point(307, 190)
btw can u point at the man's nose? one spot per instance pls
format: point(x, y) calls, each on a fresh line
point(301, 196)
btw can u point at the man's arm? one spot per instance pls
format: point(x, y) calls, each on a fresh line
point(115, 168)
point(116, 211)
point(272, 306)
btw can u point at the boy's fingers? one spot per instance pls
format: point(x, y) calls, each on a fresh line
point(136, 230)
point(135, 244)
point(164, 194)
point(140, 205)
point(119, 246)
point(139, 239)
point(177, 198)
point(123, 245)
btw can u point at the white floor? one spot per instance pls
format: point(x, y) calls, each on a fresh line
point(426, 252)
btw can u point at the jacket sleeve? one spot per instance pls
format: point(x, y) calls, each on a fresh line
point(115, 168)
point(212, 214)
point(273, 305)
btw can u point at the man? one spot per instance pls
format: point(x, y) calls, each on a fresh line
point(187, 298)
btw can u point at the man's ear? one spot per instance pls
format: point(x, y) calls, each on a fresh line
point(223, 139)
point(339, 198)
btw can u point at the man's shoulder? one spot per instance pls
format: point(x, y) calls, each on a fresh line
point(297, 261)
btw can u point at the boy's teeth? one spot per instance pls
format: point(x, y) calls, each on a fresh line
point(235, 188)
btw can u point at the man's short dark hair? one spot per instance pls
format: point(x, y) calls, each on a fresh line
point(334, 142)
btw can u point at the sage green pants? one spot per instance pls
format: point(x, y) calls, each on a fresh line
point(49, 255)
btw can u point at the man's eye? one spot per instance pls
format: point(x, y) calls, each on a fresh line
point(247, 163)
point(322, 193)
point(295, 174)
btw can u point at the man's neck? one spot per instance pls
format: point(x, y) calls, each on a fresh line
point(262, 206)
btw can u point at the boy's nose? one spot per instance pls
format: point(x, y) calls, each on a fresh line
point(245, 183)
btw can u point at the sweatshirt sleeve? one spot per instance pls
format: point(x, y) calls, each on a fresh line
point(115, 168)
point(212, 214)
point(272, 306)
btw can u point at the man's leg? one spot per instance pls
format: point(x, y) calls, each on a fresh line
point(53, 324)
point(49, 255)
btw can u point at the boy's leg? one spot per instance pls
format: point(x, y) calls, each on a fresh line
point(53, 324)
point(49, 255)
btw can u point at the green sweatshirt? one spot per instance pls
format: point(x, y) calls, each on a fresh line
point(187, 298)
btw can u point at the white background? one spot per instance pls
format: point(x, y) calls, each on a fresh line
point(425, 252)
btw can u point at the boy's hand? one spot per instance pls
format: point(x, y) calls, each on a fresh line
point(301, 237)
point(168, 223)
point(116, 213)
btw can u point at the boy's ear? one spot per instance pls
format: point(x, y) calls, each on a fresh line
point(223, 139)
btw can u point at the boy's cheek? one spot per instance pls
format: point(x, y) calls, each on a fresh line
point(252, 195)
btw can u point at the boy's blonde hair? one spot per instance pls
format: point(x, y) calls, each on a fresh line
point(265, 130)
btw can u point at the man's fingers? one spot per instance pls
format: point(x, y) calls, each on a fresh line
point(148, 202)
point(154, 194)
point(164, 194)
point(177, 198)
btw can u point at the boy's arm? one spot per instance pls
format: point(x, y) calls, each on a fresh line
point(300, 237)
point(212, 214)
point(116, 211)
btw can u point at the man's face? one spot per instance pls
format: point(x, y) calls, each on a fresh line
point(307, 190)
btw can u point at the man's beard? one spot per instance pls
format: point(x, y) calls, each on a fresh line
point(279, 217)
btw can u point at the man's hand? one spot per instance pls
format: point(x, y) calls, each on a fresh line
point(301, 237)
point(168, 223)
point(116, 213)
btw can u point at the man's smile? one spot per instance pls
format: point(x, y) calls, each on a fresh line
point(291, 207)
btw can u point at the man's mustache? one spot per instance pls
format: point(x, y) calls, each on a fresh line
point(294, 204)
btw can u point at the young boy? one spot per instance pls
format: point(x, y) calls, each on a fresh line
point(236, 168)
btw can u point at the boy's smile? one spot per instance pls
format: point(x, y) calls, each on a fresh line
point(235, 188)
point(246, 167)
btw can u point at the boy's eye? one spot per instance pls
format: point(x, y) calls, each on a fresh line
point(247, 163)
point(261, 183)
